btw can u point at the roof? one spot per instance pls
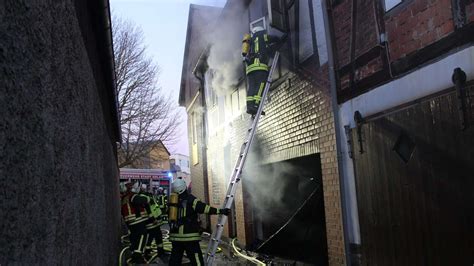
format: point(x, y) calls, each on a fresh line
point(200, 20)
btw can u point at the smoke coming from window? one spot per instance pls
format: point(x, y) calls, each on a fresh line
point(225, 60)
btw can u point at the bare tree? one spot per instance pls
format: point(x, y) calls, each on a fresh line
point(147, 116)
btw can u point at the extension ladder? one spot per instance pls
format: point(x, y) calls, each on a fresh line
point(236, 173)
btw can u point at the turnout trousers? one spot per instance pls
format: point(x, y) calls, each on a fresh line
point(155, 234)
point(256, 83)
point(138, 240)
point(193, 251)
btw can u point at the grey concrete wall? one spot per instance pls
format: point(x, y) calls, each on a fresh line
point(59, 200)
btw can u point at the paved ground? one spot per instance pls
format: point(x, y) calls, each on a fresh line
point(227, 256)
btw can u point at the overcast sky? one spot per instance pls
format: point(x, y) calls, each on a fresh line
point(164, 25)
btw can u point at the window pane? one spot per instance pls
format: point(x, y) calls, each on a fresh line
point(277, 14)
point(235, 103)
point(221, 104)
point(242, 98)
point(389, 4)
point(320, 32)
point(305, 35)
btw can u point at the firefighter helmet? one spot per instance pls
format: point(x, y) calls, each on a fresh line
point(123, 188)
point(143, 187)
point(257, 29)
point(179, 186)
point(136, 188)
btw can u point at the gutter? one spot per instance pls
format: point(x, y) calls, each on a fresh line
point(335, 109)
point(107, 26)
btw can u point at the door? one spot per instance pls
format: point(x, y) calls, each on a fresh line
point(415, 187)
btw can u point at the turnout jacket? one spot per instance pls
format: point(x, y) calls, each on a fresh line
point(260, 51)
point(153, 211)
point(188, 228)
point(134, 208)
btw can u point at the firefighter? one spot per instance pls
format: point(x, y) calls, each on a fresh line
point(162, 201)
point(153, 224)
point(256, 50)
point(134, 214)
point(185, 234)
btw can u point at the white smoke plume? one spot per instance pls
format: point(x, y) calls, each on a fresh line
point(225, 60)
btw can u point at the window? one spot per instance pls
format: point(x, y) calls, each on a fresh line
point(194, 127)
point(242, 98)
point(389, 4)
point(235, 103)
point(221, 105)
point(303, 20)
point(194, 146)
point(276, 14)
point(320, 31)
point(305, 36)
point(211, 96)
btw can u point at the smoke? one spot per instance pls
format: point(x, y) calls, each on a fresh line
point(276, 190)
point(267, 186)
point(224, 58)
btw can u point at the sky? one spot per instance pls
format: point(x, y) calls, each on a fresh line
point(164, 24)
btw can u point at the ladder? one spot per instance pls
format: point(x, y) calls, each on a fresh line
point(236, 173)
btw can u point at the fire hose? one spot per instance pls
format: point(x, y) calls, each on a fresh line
point(249, 258)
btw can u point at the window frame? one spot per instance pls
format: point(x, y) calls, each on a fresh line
point(384, 3)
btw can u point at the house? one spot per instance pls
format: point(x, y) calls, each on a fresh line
point(404, 79)
point(156, 156)
point(293, 162)
point(59, 128)
point(191, 96)
point(180, 168)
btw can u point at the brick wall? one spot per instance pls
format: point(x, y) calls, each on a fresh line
point(299, 122)
point(197, 170)
point(417, 25)
point(342, 31)
point(409, 27)
point(470, 11)
point(59, 199)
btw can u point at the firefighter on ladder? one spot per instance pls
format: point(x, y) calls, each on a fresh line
point(136, 218)
point(185, 231)
point(256, 51)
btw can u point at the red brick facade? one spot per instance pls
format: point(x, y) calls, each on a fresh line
point(373, 46)
point(419, 24)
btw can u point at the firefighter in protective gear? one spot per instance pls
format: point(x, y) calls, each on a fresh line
point(135, 216)
point(153, 224)
point(185, 235)
point(162, 200)
point(256, 50)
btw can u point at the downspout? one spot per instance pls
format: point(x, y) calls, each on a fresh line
point(204, 138)
point(335, 109)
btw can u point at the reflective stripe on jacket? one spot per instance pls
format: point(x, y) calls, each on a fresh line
point(188, 227)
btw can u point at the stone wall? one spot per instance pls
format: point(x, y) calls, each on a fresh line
point(59, 200)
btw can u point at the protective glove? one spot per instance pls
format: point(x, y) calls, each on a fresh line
point(225, 211)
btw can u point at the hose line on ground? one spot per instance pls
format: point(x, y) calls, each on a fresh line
point(291, 218)
point(252, 259)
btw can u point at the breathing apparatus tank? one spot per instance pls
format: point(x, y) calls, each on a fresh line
point(173, 209)
point(245, 45)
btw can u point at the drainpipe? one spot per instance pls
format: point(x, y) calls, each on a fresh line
point(335, 109)
point(204, 140)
